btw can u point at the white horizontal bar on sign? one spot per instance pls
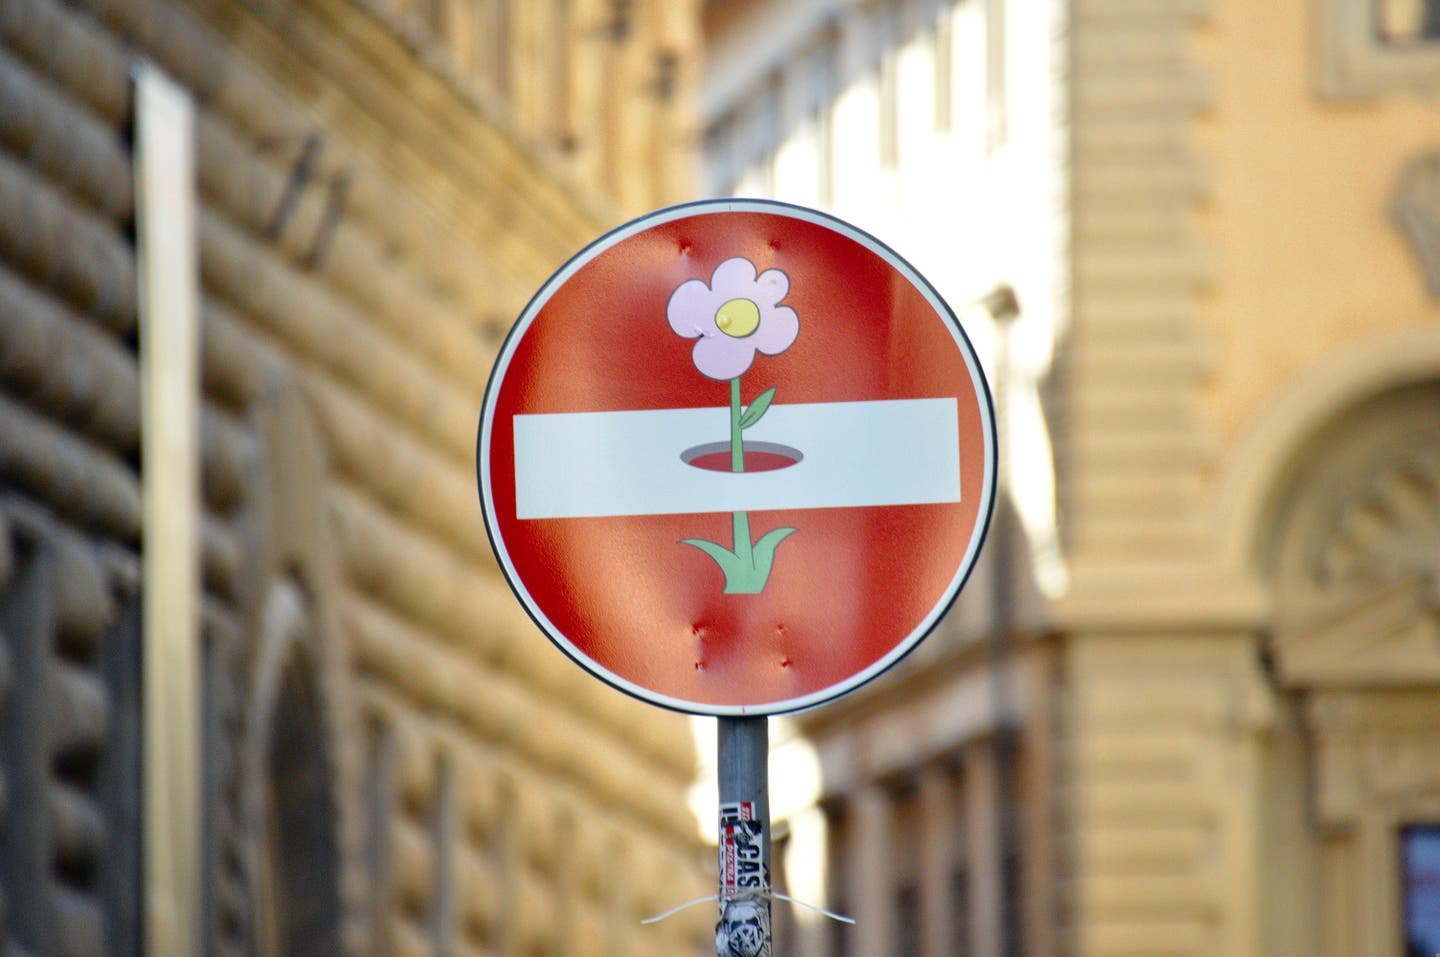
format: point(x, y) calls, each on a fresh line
point(855, 454)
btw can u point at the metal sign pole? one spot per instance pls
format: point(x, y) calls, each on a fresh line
point(170, 479)
point(742, 757)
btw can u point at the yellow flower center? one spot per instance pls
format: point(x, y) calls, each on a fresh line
point(738, 318)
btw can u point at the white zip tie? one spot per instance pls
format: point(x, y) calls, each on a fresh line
point(675, 910)
point(819, 910)
point(773, 894)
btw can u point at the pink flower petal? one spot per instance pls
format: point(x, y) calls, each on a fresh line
point(777, 331)
point(734, 278)
point(770, 287)
point(723, 358)
point(691, 309)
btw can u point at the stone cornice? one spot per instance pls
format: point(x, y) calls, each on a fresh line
point(1162, 600)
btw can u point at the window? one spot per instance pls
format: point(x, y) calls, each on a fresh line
point(960, 912)
point(1012, 918)
point(827, 88)
point(1420, 886)
point(888, 87)
point(1370, 47)
point(996, 70)
point(837, 855)
point(909, 833)
point(942, 38)
point(1400, 23)
point(908, 939)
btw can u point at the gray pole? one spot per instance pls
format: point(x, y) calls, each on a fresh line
point(743, 748)
point(168, 280)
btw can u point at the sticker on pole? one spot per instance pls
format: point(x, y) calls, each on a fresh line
point(743, 868)
point(736, 457)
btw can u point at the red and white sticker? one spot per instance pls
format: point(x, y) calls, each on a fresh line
point(743, 867)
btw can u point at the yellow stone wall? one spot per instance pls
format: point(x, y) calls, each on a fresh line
point(1241, 293)
point(1307, 259)
point(1242, 408)
point(377, 199)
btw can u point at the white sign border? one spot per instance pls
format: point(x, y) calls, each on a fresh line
point(684, 211)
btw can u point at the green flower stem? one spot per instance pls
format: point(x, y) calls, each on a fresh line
point(747, 565)
point(740, 520)
point(744, 549)
point(737, 446)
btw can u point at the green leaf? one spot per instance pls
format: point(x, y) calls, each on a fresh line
point(748, 569)
point(755, 409)
point(765, 552)
point(729, 562)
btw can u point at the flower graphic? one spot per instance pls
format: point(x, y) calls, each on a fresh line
point(737, 315)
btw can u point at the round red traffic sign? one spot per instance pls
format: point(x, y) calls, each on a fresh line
point(736, 457)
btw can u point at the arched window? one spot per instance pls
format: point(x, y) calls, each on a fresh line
point(1355, 649)
point(291, 801)
point(296, 850)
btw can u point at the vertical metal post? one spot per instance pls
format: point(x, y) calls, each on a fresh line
point(170, 483)
point(1005, 737)
point(743, 750)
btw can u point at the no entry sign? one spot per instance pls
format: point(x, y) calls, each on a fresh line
point(736, 457)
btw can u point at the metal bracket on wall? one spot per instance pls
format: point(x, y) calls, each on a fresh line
point(306, 168)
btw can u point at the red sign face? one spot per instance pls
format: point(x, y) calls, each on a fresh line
point(736, 457)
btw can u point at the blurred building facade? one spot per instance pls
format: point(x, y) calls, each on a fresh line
point(392, 760)
point(1189, 702)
